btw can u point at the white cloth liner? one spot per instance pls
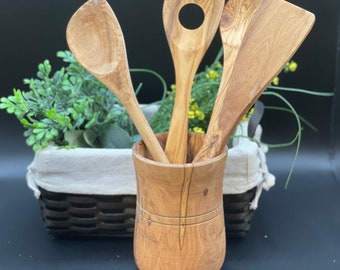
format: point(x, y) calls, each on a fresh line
point(111, 171)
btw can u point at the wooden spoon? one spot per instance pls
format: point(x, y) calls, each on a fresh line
point(274, 34)
point(187, 47)
point(95, 38)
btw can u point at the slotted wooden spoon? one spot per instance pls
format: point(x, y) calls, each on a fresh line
point(187, 47)
point(274, 34)
point(95, 38)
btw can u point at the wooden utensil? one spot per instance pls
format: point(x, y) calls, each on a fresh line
point(273, 36)
point(95, 38)
point(235, 20)
point(187, 47)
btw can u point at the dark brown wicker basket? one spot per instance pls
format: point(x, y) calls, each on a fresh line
point(237, 213)
point(113, 216)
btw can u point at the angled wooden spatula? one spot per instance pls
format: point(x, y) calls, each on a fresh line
point(275, 32)
point(235, 20)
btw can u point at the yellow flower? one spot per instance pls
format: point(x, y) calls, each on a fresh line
point(276, 81)
point(198, 130)
point(248, 114)
point(292, 66)
point(194, 107)
point(200, 115)
point(211, 75)
point(191, 114)
point(251, 111)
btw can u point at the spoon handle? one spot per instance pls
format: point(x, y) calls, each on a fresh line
point(144, 129)
point(176, 144)
point(188, 47)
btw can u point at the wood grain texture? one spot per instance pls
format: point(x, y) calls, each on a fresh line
point(235, 20)
point(179, 213)
point(95, 38)
point(187, 47)
point(275, 32)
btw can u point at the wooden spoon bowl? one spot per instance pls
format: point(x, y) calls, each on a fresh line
point(95, 38)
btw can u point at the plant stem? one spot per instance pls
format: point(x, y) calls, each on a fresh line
point(155, 74)
point(303, 120)
point(303, 91)
point(299, 130)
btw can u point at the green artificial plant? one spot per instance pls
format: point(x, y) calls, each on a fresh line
point(70, 108)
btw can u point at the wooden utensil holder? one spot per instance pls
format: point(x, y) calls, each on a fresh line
point(179, 215)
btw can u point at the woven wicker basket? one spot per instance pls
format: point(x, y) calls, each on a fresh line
point(106, 215)
point(82, 192)
point(70, 210)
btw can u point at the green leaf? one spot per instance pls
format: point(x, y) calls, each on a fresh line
point(75, 137)
point(4, 103)
point(38, 130)
point(30, 140)
point(48, 67)
point(40, 135)
point(36, 147)
point(90, 137)
point(49, 135)
point(66, 56)
point(51, 114)
point(41, 125)
point(73, 113)
point(54, 131)
point(10, 110)
point(115, 137)
point(12, 99)
point(25, 122)
point(91, 122)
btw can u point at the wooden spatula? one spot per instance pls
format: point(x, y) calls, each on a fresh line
point(235, 20)
point(274, 34)
point(187, 47)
